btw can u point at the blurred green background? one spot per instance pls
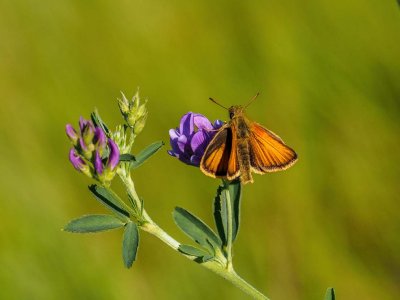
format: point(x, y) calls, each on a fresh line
point(329, 77)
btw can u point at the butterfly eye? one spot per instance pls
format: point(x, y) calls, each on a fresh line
point(231, 114)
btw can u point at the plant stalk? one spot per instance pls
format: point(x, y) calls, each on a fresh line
point(229, 229)
point(221, 270)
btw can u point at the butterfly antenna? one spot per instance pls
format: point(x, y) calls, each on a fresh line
point(217, 103)
point(251, 100)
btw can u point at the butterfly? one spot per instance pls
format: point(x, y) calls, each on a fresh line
point(242, 146)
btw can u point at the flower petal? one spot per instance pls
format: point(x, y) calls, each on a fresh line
point(82, 123)
point(218, 124)
point(199, 142)
point(98, 164)
point(182, 143)
point(113, 158)
point(71, 133)
point(100, 138)
point(76, 160)
point(186, 124)
point(202, 122)
point(174, 133)
point(195, 160)
point(82, 144)
point(172, 153)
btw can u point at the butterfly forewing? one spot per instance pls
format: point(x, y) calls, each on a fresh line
point(218, 160)
point(268, 153)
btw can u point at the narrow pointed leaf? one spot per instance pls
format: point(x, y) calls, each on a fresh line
point(196, 229)
point(330, 294)
point(110, 200)
point(146, 154)
point(93, 223)
point(127, 157)
point(130, 244)
point(98, 122)
point(194, 251)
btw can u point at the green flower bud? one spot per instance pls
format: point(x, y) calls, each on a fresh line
point(123, 105)
point(134, 113)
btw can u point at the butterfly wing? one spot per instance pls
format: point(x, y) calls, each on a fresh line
point(268, 153)
point(220, 157)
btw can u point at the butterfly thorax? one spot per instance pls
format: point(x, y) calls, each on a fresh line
point(239, 122)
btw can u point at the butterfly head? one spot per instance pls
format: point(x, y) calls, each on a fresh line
point(235, 110)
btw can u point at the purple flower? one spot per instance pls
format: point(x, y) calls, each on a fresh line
point(71, 133)
point(87, 154)
point(113, 158)
point(76, 160)
point(191, 139)
point(98, 163)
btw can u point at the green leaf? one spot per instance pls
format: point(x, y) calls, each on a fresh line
point(330, 294)
point(126, 157)
point(235, 191)
point(207, 258)
point(196, 229)
point(220, 209)
point(220, 214)
point(145, 154)
point(130, 244)
point(98, 122)
point(194, 251)
point(110, 200)
point(93, 223)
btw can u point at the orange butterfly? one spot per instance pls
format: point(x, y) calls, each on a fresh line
point(241, 147)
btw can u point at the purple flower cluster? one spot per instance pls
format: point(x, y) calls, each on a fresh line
point(92, 153)
point(191, 139)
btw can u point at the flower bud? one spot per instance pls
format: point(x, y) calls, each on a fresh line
point(88, 133)
point(78, 162)
point(72, 134)
point(134, 113)
point(123, 105)
point(113, 158)
point(100, 140)
point(98, 164)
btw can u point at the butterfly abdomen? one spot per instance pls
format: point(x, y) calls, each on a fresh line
point(244, 161)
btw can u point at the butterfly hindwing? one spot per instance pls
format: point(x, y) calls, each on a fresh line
point(268, 153)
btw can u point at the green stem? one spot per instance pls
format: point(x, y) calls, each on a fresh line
point(216, 267)
point(128, 182)
point(229, 228)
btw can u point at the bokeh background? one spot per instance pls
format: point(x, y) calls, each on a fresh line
point(329, 77)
